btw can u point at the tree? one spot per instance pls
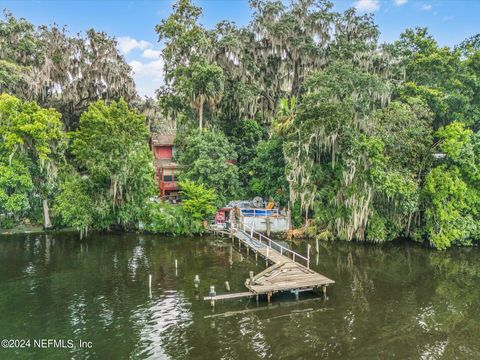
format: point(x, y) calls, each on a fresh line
point(245, 135)
point(439, 75)
point(73, 205)
point(452, 189)
point(197, 201)
point(267, 171)
point(200, 82)
point(206, 159)
point(326, 151)
point(191, 73)
point(32, 150)
point(55, 70)
point(111, 150)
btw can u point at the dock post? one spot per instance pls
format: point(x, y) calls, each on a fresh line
point(296, 294)
point(324, 289)
point(196, 281)
point(269, 296)
point(230, 256)
point(256, 256)
point(150, 284)
point(212, 295)
point(267, 223)
point(317, 247)
point(227, 286)
point(176, 267)
point(251, 277)
point(248, 250)
point(266, 258)
point(289, 217)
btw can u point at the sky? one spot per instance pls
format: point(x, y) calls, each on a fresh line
point(133, 22)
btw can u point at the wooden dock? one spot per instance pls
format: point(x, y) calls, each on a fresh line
point(286, 270)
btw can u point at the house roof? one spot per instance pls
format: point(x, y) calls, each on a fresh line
point(165, 164)
point(163, 140)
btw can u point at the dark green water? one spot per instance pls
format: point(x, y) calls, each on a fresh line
point(390, 302)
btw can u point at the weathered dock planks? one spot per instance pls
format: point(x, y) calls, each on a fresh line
point(284, 271)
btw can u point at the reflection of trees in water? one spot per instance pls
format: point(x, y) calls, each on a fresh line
point(456, 301)
point(388, 301)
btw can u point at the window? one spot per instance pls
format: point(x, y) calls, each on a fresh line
point(167, 175)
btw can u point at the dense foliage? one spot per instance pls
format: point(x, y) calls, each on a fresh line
point(365, 141)
point(111, 151)
point(32, 149)
point(205, 157)
point(50, 67)
point(352, 133)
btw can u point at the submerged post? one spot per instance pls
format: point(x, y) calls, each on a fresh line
point(308, 256)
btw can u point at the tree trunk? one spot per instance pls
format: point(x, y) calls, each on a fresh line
point(200, 115)
point(46, 215)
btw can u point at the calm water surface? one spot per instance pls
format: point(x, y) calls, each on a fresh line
point(390, 302)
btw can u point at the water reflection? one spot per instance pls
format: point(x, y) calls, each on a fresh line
point(395, 301)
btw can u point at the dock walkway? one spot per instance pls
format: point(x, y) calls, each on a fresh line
point(286, 269)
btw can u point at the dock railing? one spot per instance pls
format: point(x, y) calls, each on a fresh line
point(260, 212)
point(249, 230)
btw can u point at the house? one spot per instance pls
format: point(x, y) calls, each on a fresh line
point(166, 170)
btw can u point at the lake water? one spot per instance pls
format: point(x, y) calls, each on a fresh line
point(397, 301)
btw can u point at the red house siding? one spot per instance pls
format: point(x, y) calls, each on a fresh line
point(163, 152)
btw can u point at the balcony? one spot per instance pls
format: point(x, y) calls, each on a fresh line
point(169, 185)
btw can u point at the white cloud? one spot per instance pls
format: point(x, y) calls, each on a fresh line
point(151, 54)
point(127, 44)
point(426, 7)
point(148, 76)
point(400, 2)
point(367, 5)
point(152, 69)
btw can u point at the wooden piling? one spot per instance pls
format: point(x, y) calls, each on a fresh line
point(227, 286)
point(212, 294)
point(150, 284)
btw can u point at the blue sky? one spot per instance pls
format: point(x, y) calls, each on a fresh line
point(133, 22)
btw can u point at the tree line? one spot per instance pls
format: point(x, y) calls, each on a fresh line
point(364, 141)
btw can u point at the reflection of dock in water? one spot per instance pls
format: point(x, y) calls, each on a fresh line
point(286, 269)
point(278, 305)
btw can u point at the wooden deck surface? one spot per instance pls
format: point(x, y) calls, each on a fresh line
point(282, 274)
